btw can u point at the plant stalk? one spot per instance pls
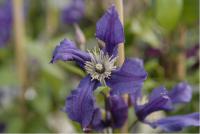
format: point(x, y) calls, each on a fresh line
point(181, 55)
point(121, 54)
point(19, 39)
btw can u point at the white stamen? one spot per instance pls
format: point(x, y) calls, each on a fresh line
point(100, 66)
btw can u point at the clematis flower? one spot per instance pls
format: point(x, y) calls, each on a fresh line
point(74, 12)
point(161, 99)
point(100, 64)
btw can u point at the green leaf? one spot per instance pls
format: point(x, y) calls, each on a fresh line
point(143, 29)
point(190, 13)
point(168, 13)
point(103, 89)
point(14, 125)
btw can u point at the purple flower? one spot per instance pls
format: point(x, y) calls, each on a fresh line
point(193, 51)
point(161, 99)
point(74, 12)
point(5, 21)
point(100, 64)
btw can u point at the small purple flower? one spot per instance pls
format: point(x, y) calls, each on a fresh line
point(161, 99)
point(5, 21)
point(100, 65)
point(193, 51)
point(74, 12)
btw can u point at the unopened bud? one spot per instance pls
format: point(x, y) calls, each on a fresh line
point(80, 37)
point(101, 43)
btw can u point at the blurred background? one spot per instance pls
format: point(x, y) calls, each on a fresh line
point(164, 33)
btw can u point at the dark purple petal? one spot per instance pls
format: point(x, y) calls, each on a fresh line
point(97, 122)
point(80, 104)
point(181, 93)
point(135, 96)
point(127, 79)
point(158, 100)
point(110, 30)
point(67, 51)
point(119, 110)
point(177, 123)
point(74, 12)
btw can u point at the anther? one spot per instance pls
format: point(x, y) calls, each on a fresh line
point(99, 68)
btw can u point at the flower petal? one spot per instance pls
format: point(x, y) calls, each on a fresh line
point(110, 30)
point(177, 123)
point(67, 51)
point(97, 122)
point(158, 100)
point(119, 110)
point(128, 79)
point(181, 93)
point(80, 104)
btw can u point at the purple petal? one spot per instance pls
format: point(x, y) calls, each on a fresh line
point(74, 12)
point(177, 123)
point(181, 93)
point(110, 30)
point(97, 123)
point(67, 51)
point(80, 104)
point(119, 110)
point(158, 100)
point(128, 79)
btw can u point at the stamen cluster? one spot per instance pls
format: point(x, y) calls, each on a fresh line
point(101, 65)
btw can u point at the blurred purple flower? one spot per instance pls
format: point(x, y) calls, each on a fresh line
point(73, 12)
point(2, 127)
point(152, 52)
point(5, 21)
point(161, 99)
point(193, 51)
point(101, 69)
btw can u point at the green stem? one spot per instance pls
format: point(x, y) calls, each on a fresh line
point(132, 125)
point(19, 38)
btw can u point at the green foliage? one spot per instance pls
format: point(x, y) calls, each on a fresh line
point(168, 13)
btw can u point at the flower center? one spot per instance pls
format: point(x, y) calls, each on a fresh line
point(101, 65)
point(99, 68)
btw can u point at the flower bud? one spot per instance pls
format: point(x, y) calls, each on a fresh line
point(80, 37)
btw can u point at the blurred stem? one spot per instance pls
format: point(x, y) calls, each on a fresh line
point(51, 19)
point(121, 55)
point(181, 55)
point(19, 38)
point(119, 6)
